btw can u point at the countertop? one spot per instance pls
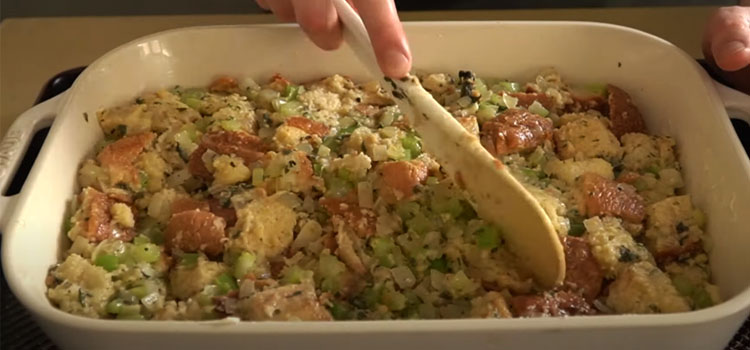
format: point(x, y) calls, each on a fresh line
point(34, 49)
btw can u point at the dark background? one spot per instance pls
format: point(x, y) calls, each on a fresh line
point(41, 8)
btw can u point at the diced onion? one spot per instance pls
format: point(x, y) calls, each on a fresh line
point(510, 102)
point(389, 131)
point(379, 153)
point(403, 276)
point(305, 147)
point(258, 177)
point(324, 151)
point(310, 232)
point(464, 101)
point(364, 193)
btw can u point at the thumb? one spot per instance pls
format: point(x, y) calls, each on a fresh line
point(728, 37)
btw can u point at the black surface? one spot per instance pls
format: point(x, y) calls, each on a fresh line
point(18, 331)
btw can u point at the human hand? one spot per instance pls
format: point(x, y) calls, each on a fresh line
point(726, 45)
point(318, 18)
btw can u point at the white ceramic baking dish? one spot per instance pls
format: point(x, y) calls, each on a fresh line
point(676, 97)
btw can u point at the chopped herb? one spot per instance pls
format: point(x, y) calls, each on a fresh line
point(440, 264)
point(627, 255)
point(681, 227)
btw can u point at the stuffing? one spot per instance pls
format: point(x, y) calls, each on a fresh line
point(586, 136)
point(187, 280)
point(671, 228)
point(643, 288)
point(84, 290)
point(612, 245)
point(570, 169)
point(647, 153)
point(265, 226)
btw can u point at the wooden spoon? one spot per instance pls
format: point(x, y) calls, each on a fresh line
point(498, 197)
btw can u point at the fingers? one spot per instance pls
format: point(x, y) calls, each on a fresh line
point(387, 36)
point(263, 4)
point(319, 20)
point(727, 40)
point(282, 8)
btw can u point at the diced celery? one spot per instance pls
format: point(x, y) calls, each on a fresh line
point(533, 173)
point(412, 143)
point(291, 91)
point(185, 143)
point(107, 262)
point(480, 86)
point(701, 298)
point(449, 205)
point(330, 270)
point(257, 180)
point(487, 111)
point(537, 108)
point(345, 174)
point(193, 98)
point(189, 260)
point(114, 306)
point(508, 86)
point(538, 157)
point(149, 228)
point(598, 89)
point(203, 123)
point(407, 210)
point(139, 291)
point(146, 253)
point(317, 168)
point(373, 295)
point(130, 312)
point(338, 187)
point(488, 237)
point(340, 310)
point(295, 275)
point(653, 169)
point(697, 294)
point(291, 108)
point(460, 285)
point(230, 125)
point(394, 300)
point(141, 239)
point(225, 283)
point(420, 224)
point(348, 130)
point(332, 143)
point(382, 249)
point(244, 264)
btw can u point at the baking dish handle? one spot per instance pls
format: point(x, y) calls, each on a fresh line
point(736, 102)
point(13, 148)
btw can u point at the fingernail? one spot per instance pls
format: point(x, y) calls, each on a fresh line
point(734, 46)
point(396, 64)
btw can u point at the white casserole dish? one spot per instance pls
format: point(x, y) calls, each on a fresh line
point(675, 95)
